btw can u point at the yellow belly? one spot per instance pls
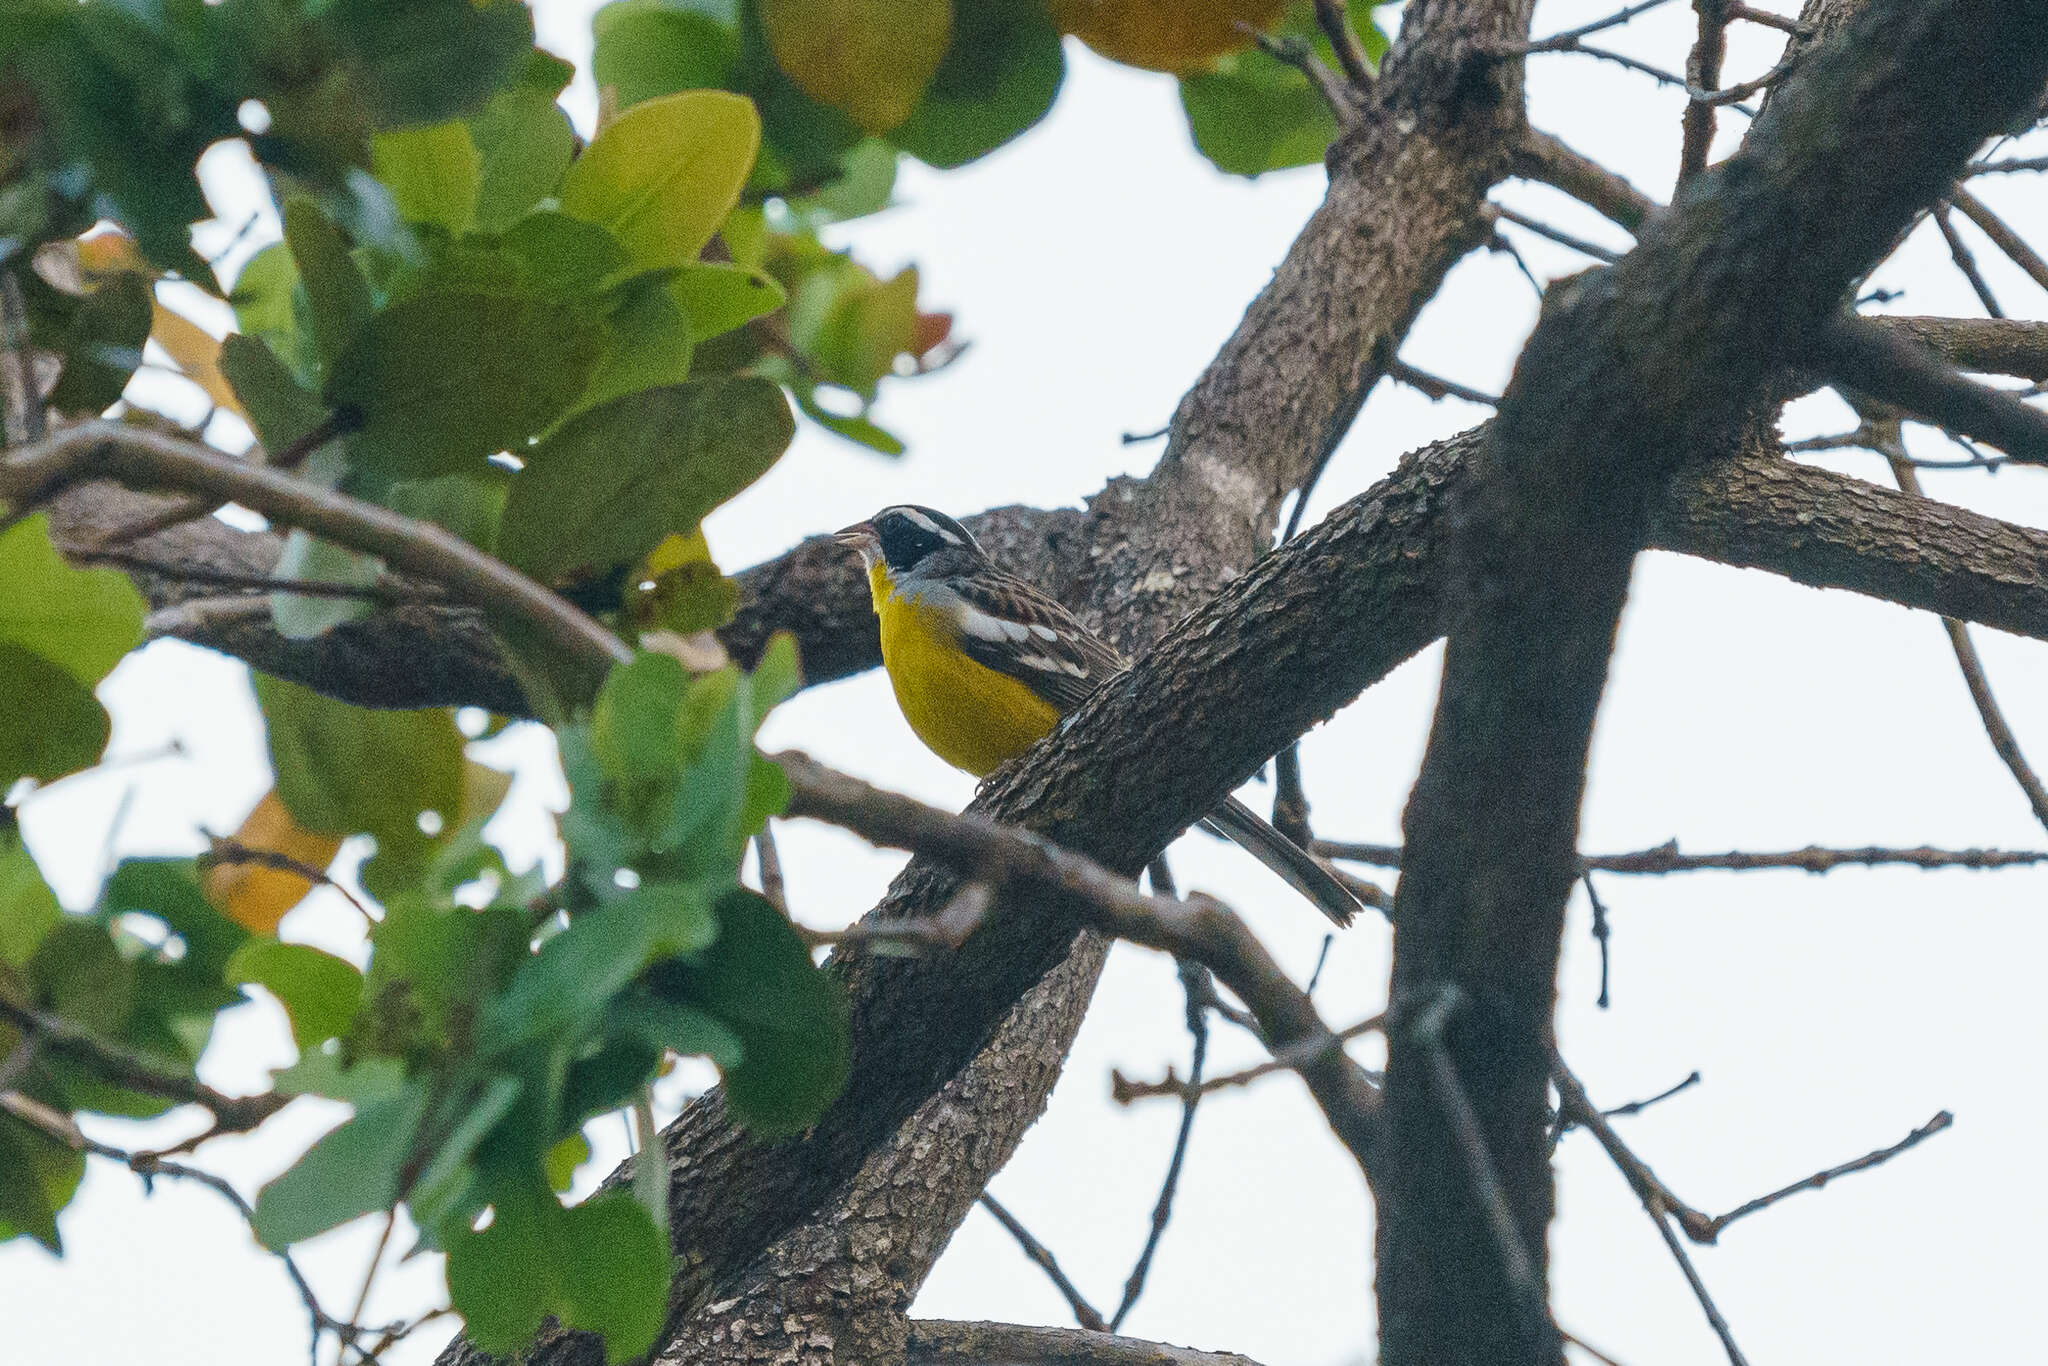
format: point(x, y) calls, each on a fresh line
point(968, 714)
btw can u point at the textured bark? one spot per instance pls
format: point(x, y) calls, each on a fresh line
point(1671, 352)
point(1010, 1344)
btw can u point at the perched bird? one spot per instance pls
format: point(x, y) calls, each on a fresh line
point(984, 665)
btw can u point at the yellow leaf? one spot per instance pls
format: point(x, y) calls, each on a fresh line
point(664, 174)
point(1166, 35)
point(256, 896)
point(869, 59)
point(110, 253)
point(197, 353)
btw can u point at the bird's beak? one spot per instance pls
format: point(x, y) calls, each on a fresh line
point(859, 536)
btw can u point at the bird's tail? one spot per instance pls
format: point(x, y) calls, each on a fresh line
point(1246, 829)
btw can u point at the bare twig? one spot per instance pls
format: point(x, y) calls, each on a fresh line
point(768, 861)
point(1883, 366)
point(1299, 55)
point(1636, 1107)
point(1966, 261)
point(1603, 930)
point(1542, 157)
point(1996, 728)
point(149, 459)
point(1200, 927)
point(1732, 95)
point(1702, 72)
point(222, 578)
point(1436, 387)
point(149, 1166)
point(2008, 166)
point(2002, 235)
point(1568, 41)
point(935, 1343)
point(1557, 235)
point(1715, 1319)
point(1041, 1255)
point(231, 1114)
point(1195, 981)
point(1336, 26)
point(1124, 1091)
point(221, 850)
point(1665, 858)
point(1749, 14)
point(1941, 1121)
point(23, 394)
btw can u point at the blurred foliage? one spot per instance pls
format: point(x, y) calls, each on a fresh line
point(568, 355)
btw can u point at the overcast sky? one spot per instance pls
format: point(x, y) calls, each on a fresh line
point(1096, 265)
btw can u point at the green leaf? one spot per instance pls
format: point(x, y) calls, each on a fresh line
point(565, 988)
point(321, 1073)
point(679, 1028)
point(345, 770)
point(665, 173)
point(612, 482)
point(525, 145)
point(28, 908)
point(648, 342)
point(717, 298)
point(433, 173)
point(103, 345)
point(430, 966)
point(320, 993)
point(81, 620)
point(50, 723)
point(337, 296)
point(352, 1171)
point(450, 1169)
point(871, 59)
point(422, 61)
point(635, 724)
point(279, 407)
point(503, 1280)
point(38, 1177)
point(1254, 113)
point(614, 1269)
point(853, 326)
point(441, 380)
point(168, 890)
point(1000, 75)
point(262, 298)
point(758, 980)
point(564, 1158)
point(648, 48)
point(562, 254)
point(777, 675)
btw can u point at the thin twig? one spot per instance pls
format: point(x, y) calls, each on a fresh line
point(1124, 1091)
point(1437, 388)
point(22, 388)
point(1966, 261)
point(1603, 930)
point(1732, 95)
point(2002, 236)
point(1636, 1107)
point(149, 1166)
point(1784, 24)
point(1498, 242)
point(1665, 858)
point(231, 1114)
point(221, 850)
point(222, 578)
point(1299, 55)
point(1941, 1121)
point(1702, 72)
point(768, 862)
point(1715, 1319)
point(1290, 800)
point(1568, 41)
point(1041, 1255)
point(1542, 157)
point(1195, 982)
point(2007, 167)
point(1315, 974)
point(1996, 728)
point(1557, 235)
point(1336, 26)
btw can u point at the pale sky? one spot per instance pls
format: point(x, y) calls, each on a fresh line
point(1096, 264)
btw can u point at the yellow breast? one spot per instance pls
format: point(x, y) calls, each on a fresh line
point(968, 714)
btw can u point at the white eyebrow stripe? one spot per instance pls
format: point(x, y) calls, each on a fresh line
point(913, 515)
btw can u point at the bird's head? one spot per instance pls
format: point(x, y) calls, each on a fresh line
point(905, 536)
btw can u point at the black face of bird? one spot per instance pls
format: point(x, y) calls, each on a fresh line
point(902, 536)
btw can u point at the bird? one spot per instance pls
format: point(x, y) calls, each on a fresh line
point(984, 665)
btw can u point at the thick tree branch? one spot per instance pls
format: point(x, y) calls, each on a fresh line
point(1673, 350)
point(938, 1343)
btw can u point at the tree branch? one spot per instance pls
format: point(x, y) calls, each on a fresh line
point(1674, 349)
point(937, 1343)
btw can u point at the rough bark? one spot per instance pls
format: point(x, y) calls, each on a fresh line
point(1008, 1344)
point(1670, 352)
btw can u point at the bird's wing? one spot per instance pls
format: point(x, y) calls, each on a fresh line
point(1016, 630)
